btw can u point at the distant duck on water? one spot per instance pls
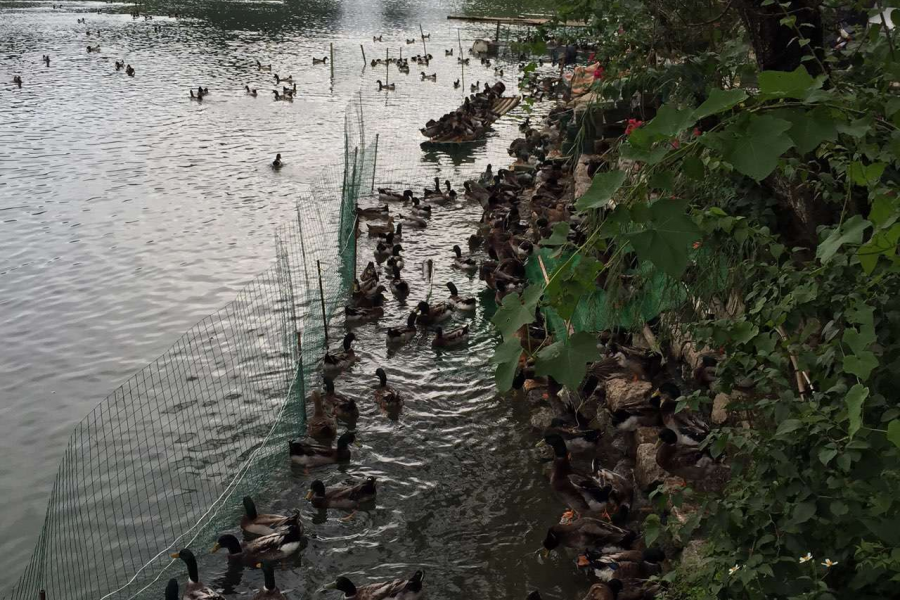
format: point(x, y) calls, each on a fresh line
point(250, 91)
point(277, 163)
point(263, 67)
point(390, 87)
point(320, 61)
point(17, 79)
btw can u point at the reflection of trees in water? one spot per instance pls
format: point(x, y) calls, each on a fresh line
point(272, 17)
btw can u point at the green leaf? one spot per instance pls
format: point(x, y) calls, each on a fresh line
point(604, 185)
point(788, 426)
point(666, 239)
point(651, 157)
point(838, 508)
point(893, 432)
point(883, 212)
point(506, 357)
point(652, 528)
point(781, 84)
point(755, 151)
point(663, 180)
point(883, 243)
point(559, 236)
point(744, 331)
point(810, 128)
point(858, 341)
point(854, 400)
point(670, 121)
point(856, 128)
point(719, 101)
point(803, 512)
point(566, 360)
point(850, 233)
point(513, 314)
point(693, 168)
point(826, 454)
point(891, 106)
point(865, 175)
point(861, 364)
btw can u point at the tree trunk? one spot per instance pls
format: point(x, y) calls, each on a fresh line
point(776, 45)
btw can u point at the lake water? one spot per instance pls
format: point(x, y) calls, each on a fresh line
point(128, 212)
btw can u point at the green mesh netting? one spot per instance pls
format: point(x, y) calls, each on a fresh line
point(163, 461)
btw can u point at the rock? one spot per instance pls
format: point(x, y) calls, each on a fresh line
point(622, 392)
point(692, 555)
point(646, 435)
point(647, 472)
point(582, 179)
point(541, 418)
point(720, 409)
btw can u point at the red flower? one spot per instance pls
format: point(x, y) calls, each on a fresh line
point(697, 245)
point(697, 132)
point(632, 125)
point(598, 72)
point(676, 144)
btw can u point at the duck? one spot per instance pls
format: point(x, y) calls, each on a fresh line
point(17, 79)
point(399, 589)
point(385, 396)
point(348, 497)
point(279, 80)
point(283, 97)
point(320, 61)
point(455, 337)
point(195, 589)
point(378, 38)
point(475, 242)
point(608, 590)
point(587, 532)
point(375, 229)
point(198, 97)
point(387, 194)
point(690, 428)
point(399, 288)
point(578, 441)
point(172, 586)
point(383, 249)
point(465, 61)
point(358, 315)
point(448, 52)
point(120, 64)
point(429, 315)
point(269, 590)
point(401, 335)
point(370, 274)
point(426, 36)
point(289, 91)
point(498, 72)
point(320, 426)
point(410, 41)
point(263, 67)
point(129, 70)
point(254, 523)
point(418, 211)
point(277, 163)
point(432, 77)
point(395, 261)
point(369, 297)
point(412, 220)
point(388, 88)
point(250, 91)
point(620, 483)
point(375, 212)
point(312, 455)
point(398, 233)
point(466, 264)
point(688, 462)
point(344, 409)
point(338, 362)
point(705, 373)
point(628, 564)
point(577, 490)
point(46, 59)
point(473, 87)
point(458, 302)
point(456, 84)
point(275, 546)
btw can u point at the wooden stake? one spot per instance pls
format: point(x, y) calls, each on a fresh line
point(387, 71)
point(322, 300)
point(332, 60)
point(43, 595)
point(363, 50)
point(422, 31)
point(497, 35)
point(374, 162)
point(543, 270)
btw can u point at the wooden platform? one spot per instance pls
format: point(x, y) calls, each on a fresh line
point(501, 106)
point(533, 21)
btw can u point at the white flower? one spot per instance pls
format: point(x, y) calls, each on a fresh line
point(734, 569)
point(806, 558)
point(828, 564)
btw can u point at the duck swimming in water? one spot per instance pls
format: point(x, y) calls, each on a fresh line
point(277, 163)
point(389, 88)
point(251, 92)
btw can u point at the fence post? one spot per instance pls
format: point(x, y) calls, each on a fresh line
point(43, 595)
point(322, 300)
point(363, 50)
point(422, 32)
point(374, 162)
point(332, 60)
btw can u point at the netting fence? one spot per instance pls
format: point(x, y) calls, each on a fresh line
point(163, 462)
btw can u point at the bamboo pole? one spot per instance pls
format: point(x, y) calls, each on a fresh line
point(332, 60)
point(363, 50)
point(322, 300)
point(387, 71)
point(374, 162)
point(422, 32)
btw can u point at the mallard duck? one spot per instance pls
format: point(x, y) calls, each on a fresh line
point(620, 482)
point(256, 524)
point(46, 60)
point(399, 589)
point(320, 61)
point(432, 77)
point(604, 591)
point(289, 91)
point(465, 61)
point(578, 441)
point(275, 546)
point(338, 362)
point(277, 163)
point(194, 590)
point(690, 428)
point(587, 532)
point(198, 97)
point(578, 491)
point(263, 67)
point(172, 590)
point(279, 80)
point(342, 497)
point(475, 242)
point(387, 194)
point(448, 52)
point(419, 211)
point(466, 264)
point(357, 316)
point(369, 297)
point(369, 274)
point(638, 413)
point(283, 97)
point(398, 234)
point(129, 70)
point(456, 84)
point(414, 221)
point(250, 91)
point(385, 396)
point(269, 590)
point(688, 462)
point(388, 88)
point(376, 212)
point(458, 302)
point(343, 408)
point(377, 39)
point(410, 41)
point(395, 261)
point(629, 564)
point(398, 287)
point(401, 335)
point(705, 373)
point(438, 313)
point(320, 426)
point(498, 72)
point(310, 455)
point(426, 36)
point(455, 337)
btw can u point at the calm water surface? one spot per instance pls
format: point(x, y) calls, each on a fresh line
point(128, 212)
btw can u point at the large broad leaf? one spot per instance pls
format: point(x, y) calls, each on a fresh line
point(572, 283)
point(651, 157)
point(719, 101)
point(893, 432)
point(865, 175)
point(566, 360)
point(810, 128)
point(670, 121)
point(854, 400)
point(506, 357)
point(603, 186)
point(861, 364)
point(755, 151)
point(884, 242)
point(850, 232)
point(516, 311)
point(781, 84)
point(667, 237)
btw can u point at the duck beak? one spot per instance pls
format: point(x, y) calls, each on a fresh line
point(582, 561)
point(540, 443)
point(545, 553)
point(259, 565)
point(175, 555)
point(215, 548)
point(309, 495)
point(330, 586)
point(655, 394)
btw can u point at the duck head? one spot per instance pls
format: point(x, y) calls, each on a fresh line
point(316, 488)
point(458, 251)
point(348, 340)
point(229, 542)
point(452, 288)
point(382, 377)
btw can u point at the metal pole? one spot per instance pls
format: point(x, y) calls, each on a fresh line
point(363, 50)
point(497, 35)
point(322, 299)
point(332, 60)
point(374, 162)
